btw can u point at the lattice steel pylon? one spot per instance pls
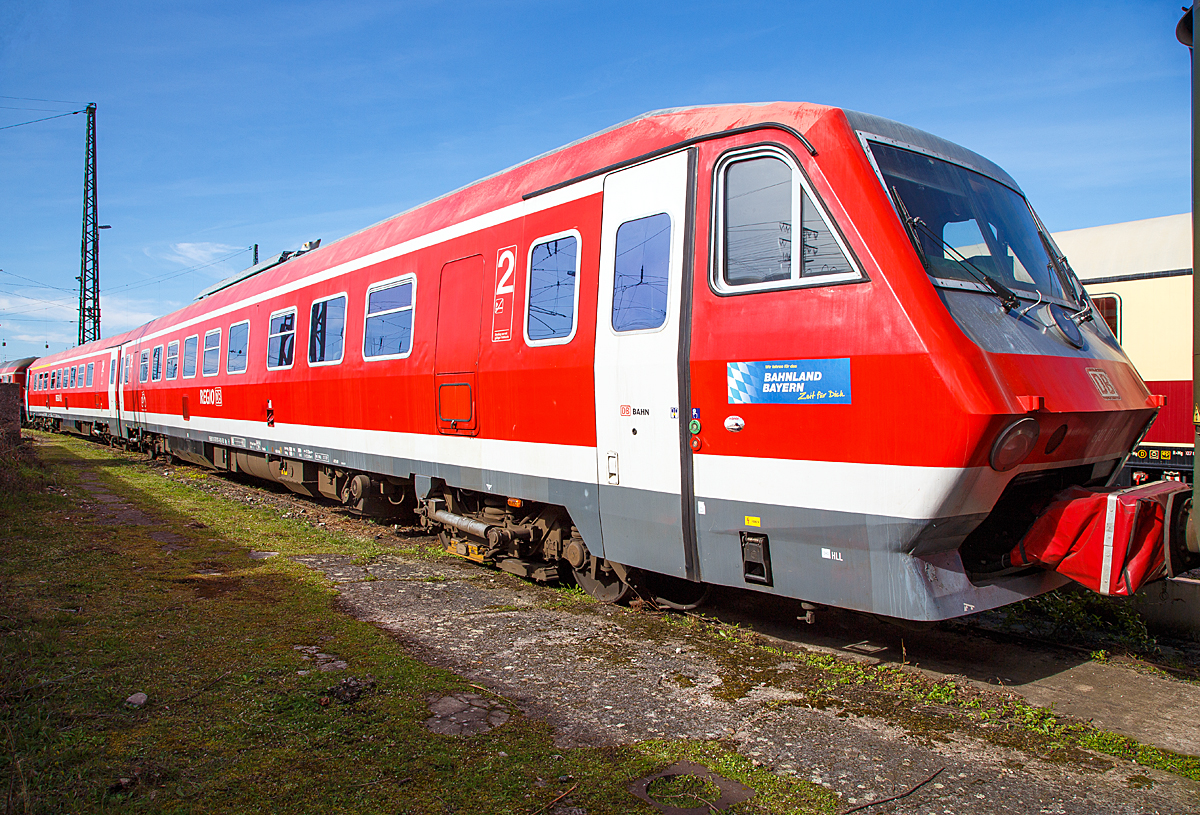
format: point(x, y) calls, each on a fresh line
point(89, 270)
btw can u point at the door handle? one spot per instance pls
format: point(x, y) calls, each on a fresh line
point(614, 477)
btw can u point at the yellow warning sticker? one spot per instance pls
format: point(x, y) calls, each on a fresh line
point(752, 520)
point(1196, 415)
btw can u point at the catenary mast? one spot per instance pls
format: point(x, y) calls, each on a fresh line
point(89, 274)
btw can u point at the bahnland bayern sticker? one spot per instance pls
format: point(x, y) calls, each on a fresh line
point(789, 382)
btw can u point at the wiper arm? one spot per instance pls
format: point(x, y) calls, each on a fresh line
point(1008, 298)
point(1062, 267)
point(909, 222)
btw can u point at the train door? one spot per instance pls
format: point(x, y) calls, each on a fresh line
point(114, 360)
point(643, 473)
point(140, 361)
point(456, 354)
point(122, 385)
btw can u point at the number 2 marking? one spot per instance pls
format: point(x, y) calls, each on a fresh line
point(506, 261)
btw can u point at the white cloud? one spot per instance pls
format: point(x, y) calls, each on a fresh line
point(194, 254)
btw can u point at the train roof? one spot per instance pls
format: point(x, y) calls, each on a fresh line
point(15, 365)
point(619, 144)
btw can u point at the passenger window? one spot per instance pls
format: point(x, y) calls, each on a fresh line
point(553, 296)
point(156, 364)
point(91, 367)
point(239, 346)
point(281, 339)
point(190, 346)
point(1109, 306)
point(640, 283)
point(327, 331)
point(112, 375)
point(172, 359)
point(72, 376)
point(212, 352)
point(128, 362)
point(762, 198)
point(144, 367)
point(389, 321)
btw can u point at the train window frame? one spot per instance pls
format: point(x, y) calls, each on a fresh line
point(128, 367)
point(1116, 298)
point(183, 374)
point(171, 365)
point(801, 187)
point(71, 377)
point(216, 349)
point(144, 366)
point(245, 349)
point(91, 370)
point(557, 236)
point(411, 308)
point(272, 335)
point(156, 364)
point(345, 324)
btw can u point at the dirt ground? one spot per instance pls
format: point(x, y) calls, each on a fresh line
point(612, 675)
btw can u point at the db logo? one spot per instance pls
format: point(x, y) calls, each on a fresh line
point(625, 411)
point(1103, 384)
point(210, 396)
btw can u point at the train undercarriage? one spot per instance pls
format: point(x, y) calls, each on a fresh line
point(1077, 530)
point(532, 540)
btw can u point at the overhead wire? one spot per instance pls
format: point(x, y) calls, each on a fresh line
point(169, 275)
point(45, 119)
point(35, 282)
point(34, 99)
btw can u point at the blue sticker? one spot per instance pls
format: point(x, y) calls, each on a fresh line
point(695, 413)
point(790, 382)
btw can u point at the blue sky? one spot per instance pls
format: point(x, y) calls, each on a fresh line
point(223, 124)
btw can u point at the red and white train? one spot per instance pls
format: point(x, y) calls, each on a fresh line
point(785, 347)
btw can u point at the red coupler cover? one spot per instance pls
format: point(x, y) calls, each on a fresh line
point(1110, 540)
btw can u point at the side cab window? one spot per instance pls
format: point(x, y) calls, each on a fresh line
point(772, 231)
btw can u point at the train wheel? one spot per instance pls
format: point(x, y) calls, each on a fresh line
point(674, 592)
point(606, 586)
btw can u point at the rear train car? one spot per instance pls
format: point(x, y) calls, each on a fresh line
point(785, 347)
point(1139, 275)
point(16, 372)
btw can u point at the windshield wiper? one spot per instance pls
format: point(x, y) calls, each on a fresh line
point(910, 229)
point(1008, 298)
point(1062, 267)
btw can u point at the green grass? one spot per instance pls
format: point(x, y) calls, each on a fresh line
point(92, 613)
point(925, 707)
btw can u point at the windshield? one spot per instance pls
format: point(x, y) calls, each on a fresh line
point(970, 219)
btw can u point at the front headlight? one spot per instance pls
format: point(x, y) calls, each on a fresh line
point(1014, 444)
